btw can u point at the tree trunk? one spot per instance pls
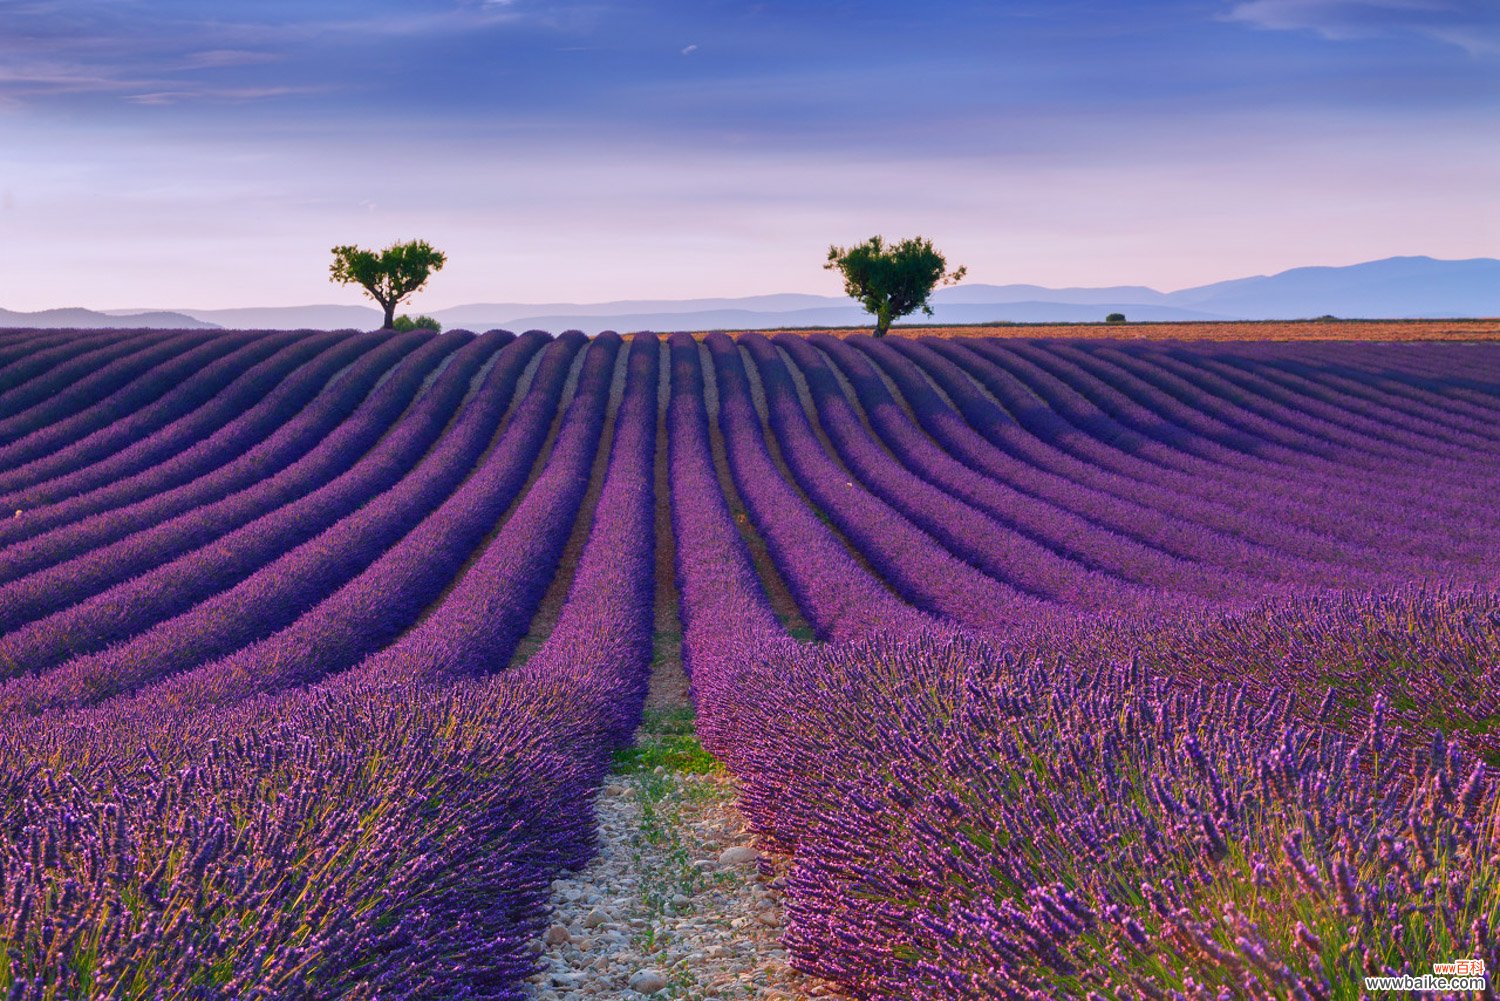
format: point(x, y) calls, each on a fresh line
point(882, 321)
point(390, 315)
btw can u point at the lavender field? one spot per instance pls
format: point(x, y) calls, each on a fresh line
point(1056, 669)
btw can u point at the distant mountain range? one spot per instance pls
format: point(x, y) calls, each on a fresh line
point(77, 318)
point(1397, 287)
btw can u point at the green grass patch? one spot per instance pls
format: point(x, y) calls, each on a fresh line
point(666, 645)
point(675, 754)
point(656, 770)
point(668, 722)
point(667, 741)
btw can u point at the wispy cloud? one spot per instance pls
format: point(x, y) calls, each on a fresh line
point(49, 76)
point(156, 52)
point(228, 94)
point(44, 78)
point(216, 58)
point(1472, 25)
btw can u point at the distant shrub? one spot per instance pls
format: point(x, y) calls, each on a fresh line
point(1115, 318)
point(405, 323)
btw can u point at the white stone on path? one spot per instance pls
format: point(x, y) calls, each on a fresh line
point(738, 855)
point(648, 981)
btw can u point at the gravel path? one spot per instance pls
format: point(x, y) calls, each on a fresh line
point(678, 903)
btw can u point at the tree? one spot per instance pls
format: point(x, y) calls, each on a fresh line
point(389, 275)
point(1115, 318)
point(892, 281)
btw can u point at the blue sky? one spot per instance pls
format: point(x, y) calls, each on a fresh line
point(209, 154)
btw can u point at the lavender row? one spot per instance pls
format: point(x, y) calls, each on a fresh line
point(1100, 530)
point(1194, 429)
point(1258, 466)
point(1180, 436)
point(1456, 398)
point(459, 885)
point(324, 844)
point(186, 415)
point(1073, 440)
point(1330, 508)
point(966, 825)
point(914, 562)
point(1299, 420)
point(601, 647)
point(1377, 434)
point(476, 628)
point(1198, 422)
point(1317, 543)
point(115, 591)
point(26, 352)
point(1244, 811)
point(1176, 450)
point(417, 575)
point(1447, 407)
point(290, 587)
point(52, 436)
point(1098, 527)
point(904, 535)
point(1312, 434)
point(836, 594)
point(420, 882)
point(1451, 485)
point(1388, 418)
point(724, 607)
point(946, 510)
point(587, 683)
point(1452, 379)
point(1057, 429)
point(390, 596)
point(91, 392)
point(1437, 537)
point(1416, 411)
point(38, 374)
point(1431, 651)
point(300, 412)
point(726, 617)
point(16, 342)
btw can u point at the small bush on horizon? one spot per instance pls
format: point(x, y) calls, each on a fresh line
point(1115, 318)
point(405, 323)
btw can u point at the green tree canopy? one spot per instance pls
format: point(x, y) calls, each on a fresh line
point(390, 275)
point(892, 281)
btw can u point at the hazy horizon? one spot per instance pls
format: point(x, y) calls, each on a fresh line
point(430, 301)
point(156, 157)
